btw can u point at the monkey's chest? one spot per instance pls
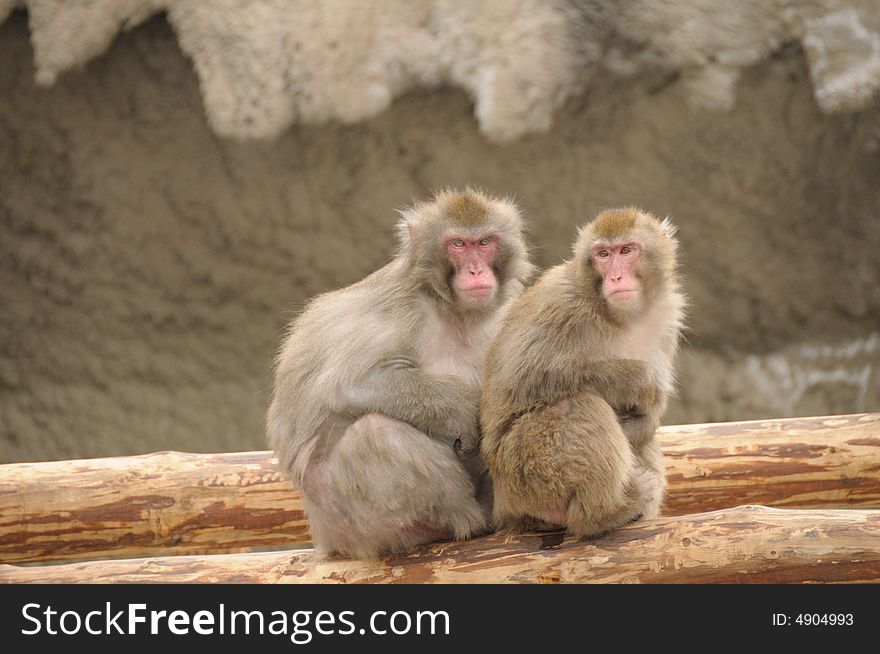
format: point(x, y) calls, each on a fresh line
point(446, 355)
point(646, 345)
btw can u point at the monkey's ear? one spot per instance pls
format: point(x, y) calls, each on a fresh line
point(668, 229)
point(406, 228)
point(404, 231)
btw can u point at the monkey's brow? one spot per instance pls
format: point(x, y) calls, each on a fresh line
point(605, 243)
point(397, 363)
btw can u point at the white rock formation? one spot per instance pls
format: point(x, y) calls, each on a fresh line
point(266, 64)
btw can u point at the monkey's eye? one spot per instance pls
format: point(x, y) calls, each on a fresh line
point(626, 249)
point(485, 241)
point(457, 243)
point(602, 253)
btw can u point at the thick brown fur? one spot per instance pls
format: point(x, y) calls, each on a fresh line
point(574, 389)
point(376, 382)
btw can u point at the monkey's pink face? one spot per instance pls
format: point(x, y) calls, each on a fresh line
point(473, 277)
point(617, 263)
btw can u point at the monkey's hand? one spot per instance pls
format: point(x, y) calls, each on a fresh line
point(466, 431)
point(640, 419)
point(629, 387)
point(639, 429)
point(473, 462)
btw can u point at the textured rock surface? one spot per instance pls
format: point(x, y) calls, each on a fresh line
point(147, 266)
point(264, 64)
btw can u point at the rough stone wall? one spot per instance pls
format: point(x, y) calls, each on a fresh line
point(147, 265)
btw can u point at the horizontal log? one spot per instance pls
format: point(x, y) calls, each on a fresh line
point(179, 503)
point(141, 505)
point(749, 544)
point(821, 462)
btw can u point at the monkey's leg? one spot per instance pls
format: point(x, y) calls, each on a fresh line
point(527, 493)
point(385, 487)
point(613, 485)
point(569, 463)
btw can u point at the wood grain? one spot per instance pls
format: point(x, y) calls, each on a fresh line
point(822, 462)
point(749, 544)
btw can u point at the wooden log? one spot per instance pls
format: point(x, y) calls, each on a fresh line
point(822, 462)
point(201, 503)
point(141, 505)
point(749, 544)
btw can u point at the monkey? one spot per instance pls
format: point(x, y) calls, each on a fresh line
point(374, 413)
point(578, 378)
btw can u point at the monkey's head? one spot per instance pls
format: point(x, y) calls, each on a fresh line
point(465, 247)
point(627, 259)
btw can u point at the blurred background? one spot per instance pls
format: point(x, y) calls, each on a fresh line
point(178, 177)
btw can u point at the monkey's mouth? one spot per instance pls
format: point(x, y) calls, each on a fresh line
point(483, 289)
point(623, 293)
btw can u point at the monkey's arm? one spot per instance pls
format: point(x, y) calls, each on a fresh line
point(631, 391)
point(442, 406)
point(624, 383)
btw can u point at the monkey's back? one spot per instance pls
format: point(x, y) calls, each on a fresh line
point(334, 341)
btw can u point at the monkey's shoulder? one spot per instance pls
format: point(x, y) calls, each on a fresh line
point(352, 324)
point(551, 308)
point(377, 293)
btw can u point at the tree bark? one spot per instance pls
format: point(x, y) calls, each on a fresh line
point(180, 503)
point(747, 544)
point(168, 502)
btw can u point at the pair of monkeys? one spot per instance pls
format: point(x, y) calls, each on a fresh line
point(388, 391)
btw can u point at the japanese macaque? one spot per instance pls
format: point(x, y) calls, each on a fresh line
point(578, 378)
point(377, 387)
